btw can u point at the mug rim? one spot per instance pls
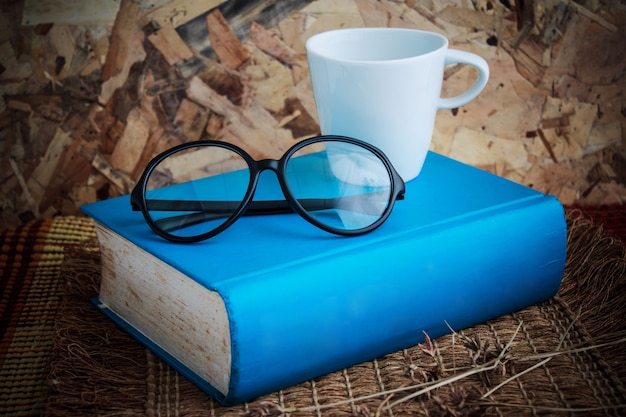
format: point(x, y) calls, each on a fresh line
point(312, 47)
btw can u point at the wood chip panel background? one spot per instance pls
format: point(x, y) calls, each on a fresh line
point(90, 90)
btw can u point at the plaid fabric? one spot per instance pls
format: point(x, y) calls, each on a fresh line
point(30, 286)
point(611, 217)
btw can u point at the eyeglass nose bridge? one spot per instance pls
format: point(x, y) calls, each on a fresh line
point(265, 164)
point(257, 168)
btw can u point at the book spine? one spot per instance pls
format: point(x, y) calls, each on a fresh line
point(317, 317)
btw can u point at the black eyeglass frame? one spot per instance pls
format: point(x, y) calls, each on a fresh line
point(248, 206)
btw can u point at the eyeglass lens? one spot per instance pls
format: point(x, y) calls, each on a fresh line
point(352, 181)
point(338, 184)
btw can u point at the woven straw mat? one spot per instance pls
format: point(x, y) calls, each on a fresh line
point(561, 357)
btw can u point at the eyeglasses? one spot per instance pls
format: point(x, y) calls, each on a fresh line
point(196, 190)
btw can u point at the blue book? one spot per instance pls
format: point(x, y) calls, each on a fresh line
point(273, 301)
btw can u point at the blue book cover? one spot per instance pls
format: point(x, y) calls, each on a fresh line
point(273, 301)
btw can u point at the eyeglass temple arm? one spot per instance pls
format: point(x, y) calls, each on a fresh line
point(209, 210)
point(219, 209)
point(256, 207)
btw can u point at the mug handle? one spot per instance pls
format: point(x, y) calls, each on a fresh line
point(455, 56)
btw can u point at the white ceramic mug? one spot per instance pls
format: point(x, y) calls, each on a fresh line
point(383, 85)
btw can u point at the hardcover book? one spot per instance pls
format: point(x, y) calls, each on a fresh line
point(273, 301)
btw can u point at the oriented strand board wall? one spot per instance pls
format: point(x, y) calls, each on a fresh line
point(85, 104)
